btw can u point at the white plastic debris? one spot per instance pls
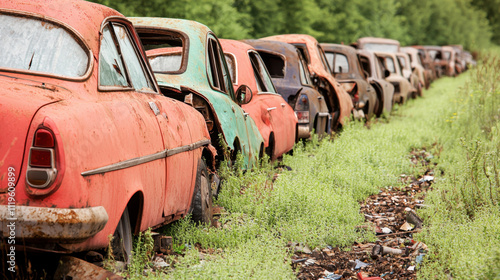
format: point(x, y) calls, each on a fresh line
point(386, 230)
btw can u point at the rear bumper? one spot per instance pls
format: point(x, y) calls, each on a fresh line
point(54, 224)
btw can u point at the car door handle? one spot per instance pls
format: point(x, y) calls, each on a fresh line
point(270, 109)
point(232, 108)
point(246, 115)
point(320, 97)
point(283, 105)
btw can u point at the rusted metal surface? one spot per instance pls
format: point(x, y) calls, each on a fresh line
point(416, 64)
point(52, 223)
point(411, 75)
point(86, 125)
point(377, 44)
point(449, 55)
point(403, 89)
point(77, 269)
point(344, 63)
point(338, 100)
point(285, 64)
point(274, 117)
point(376, 76)
point(219, 105)
point(427, 61)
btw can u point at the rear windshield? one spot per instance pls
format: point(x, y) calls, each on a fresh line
point(381, 47)
point(31, 44)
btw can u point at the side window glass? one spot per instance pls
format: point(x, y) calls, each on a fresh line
point(261, 74)
point(323, 59)
point(402, 62)
point(389, 64)
point(341, 64)
point(111, 69)
point(226, 77)
point(231, 64)
point(330, 58)
point(304, 77)
point(140, 80)
point(213, 65)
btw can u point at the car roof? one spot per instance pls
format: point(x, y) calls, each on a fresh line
point(85, 18)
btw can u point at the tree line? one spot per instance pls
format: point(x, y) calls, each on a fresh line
point(471, 23)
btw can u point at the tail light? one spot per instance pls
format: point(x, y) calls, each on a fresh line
point(42, 170)
point(302, 109)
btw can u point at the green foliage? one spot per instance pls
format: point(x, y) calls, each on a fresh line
point(464, 226)
point(434, 22)
point(141, 256)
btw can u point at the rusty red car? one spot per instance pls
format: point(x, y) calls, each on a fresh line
point(291, 77)
point(275, 119)
point(339, 102)
point(90, 148)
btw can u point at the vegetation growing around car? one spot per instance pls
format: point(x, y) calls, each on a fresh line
point(317, 201)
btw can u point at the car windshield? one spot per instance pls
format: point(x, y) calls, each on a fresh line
point(32, 44)
point(165, 50)
point(381, 47)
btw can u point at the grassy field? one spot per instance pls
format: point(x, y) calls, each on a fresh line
point(317, 202)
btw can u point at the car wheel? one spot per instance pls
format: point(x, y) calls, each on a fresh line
point(122, 239)
point(202, 199)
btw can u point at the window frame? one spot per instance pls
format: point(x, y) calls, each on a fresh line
point(71, 31)
point(166, 31)
point(256, 69)
point(146, 67)
point(223, 66)
point(235, 63)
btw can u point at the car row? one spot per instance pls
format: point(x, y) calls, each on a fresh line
point(113, 125)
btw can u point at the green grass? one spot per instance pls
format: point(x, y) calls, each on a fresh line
point(317, 202)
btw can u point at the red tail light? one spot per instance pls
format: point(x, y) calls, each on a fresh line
point(41, 157)
point(44, 139)
point(42, 169)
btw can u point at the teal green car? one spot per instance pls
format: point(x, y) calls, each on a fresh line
point(189, 65)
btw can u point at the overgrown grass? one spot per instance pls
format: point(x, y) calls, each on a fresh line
point(464, 218)
point(317, 202)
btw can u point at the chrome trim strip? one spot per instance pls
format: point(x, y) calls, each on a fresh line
point(144, 159)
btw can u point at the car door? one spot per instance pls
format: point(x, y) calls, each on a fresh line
point(174, 130)
point(127, 90)
point(220, 80)
point(279, 111)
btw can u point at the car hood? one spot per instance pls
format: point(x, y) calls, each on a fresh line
point(19, 101)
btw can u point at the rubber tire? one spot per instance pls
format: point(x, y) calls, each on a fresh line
point(122, 239)
point(202, 198)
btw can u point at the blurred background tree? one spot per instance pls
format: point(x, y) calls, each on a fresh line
point(430, 22)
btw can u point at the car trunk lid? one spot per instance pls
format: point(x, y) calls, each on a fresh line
point(19, 101)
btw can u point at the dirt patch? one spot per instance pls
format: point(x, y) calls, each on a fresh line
point(391, 214)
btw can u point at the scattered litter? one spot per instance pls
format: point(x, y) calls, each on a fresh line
point(333, 276)
point(427, 178)
point(419, 259)
point(360, 264)
point(411, 268)
point(386, 230)
point(406, 227)
point(299, 260)
point(160, 263)
point(310, 262)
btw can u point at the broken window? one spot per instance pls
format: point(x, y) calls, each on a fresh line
point(111, 69)
point(34, 44)
point(263, 80)
point(305, 77)
point(165, 50)
point(140, 80)
point(321, 54)
point(275, 64)
point(341, 64)
point(119, 62)
point(365, 64)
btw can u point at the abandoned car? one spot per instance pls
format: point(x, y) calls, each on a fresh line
point(416, 63)
point(376, 76)
point(291, 77)
point(339, 102)
point(189, 65)
point(403, 89)
point(345, 67)
point(90, 148)
point(275, 119)
point(410, 74)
